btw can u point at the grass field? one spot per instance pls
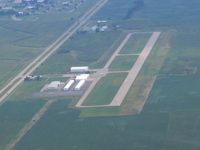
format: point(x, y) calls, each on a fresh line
point(12, 59)
point(139, 92)
point(83, 49)
point(115, 10)
point(151, 15)
point(13, 66)
point(13, 116)
point(141, 88)
point(24, 40)
point(170, 118)
point(123, 63)
point(136, 43)
point(105, 90)
point(118, 133)
point(26, 90)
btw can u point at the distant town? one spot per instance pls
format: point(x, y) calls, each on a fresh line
point(29, 7)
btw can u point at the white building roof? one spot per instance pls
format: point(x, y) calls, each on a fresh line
point(80, 84)
point(101, 21)
point(82, 77)
point(69, 84)
point(80, 68)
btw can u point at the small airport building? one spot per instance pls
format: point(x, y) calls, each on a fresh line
point(81, 69)
point(74, 83)
point(69, 85)
point(79, 85)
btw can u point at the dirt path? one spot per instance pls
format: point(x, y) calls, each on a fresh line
point(30, 124)
point(128, 82)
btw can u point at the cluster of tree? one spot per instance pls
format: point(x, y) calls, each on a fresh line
point(137, 5)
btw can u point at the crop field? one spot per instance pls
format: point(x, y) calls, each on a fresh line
point(13, 116)
point(91, 49)
point(161, 110)
point(116, 10)
point(13, 58)
point(144, 15)
point(105, 90)
point(169, 119)
point(136, 43)
point(13, 66)
point(42, 30)
point(24, 40)
point(20, 107)
point(103, 132)
point(123, 63)
point(182, 98)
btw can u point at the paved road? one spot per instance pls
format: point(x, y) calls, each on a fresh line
point(102, 71)
point(15, 82)
point(128, 82)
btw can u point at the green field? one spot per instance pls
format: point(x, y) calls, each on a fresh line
point(14, 58)
point(105, 90)
point(118, 133)
point(13, 116)
point(115, 10)
point(148, 15)
point(123, 63)
point(138, 93)
point(91, 49)
point(26, 91)
point(22, 41)
point(170, 118)
point(171, 112)
point(136, 43)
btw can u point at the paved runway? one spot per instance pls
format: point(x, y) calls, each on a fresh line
point(103, 71)
point(128, 82)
